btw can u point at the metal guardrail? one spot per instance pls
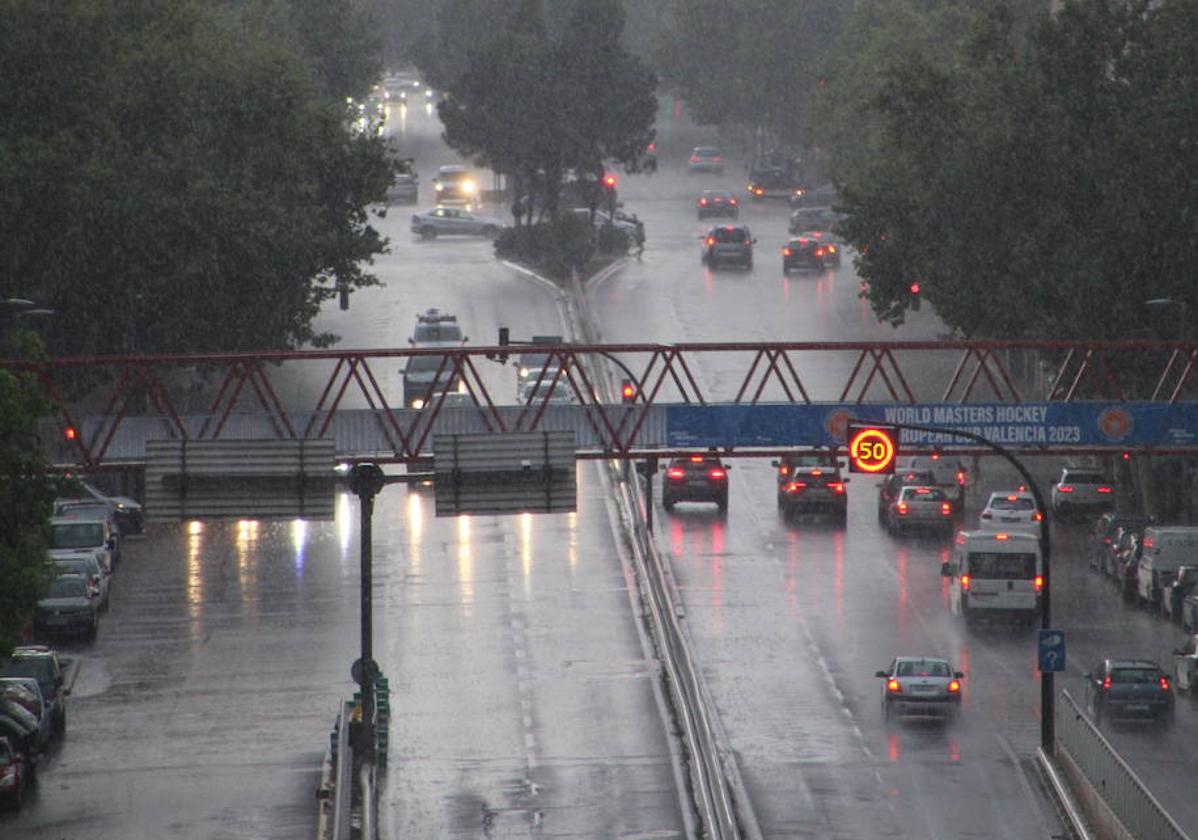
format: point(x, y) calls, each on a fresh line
point(1111, 777)
point(335, 791)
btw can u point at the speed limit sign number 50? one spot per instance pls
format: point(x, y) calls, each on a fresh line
point(872, 448)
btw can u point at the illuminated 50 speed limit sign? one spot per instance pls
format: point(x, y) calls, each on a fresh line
point(872, 448)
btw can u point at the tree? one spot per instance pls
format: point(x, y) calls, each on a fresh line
point(172, 178)
point(26, 500)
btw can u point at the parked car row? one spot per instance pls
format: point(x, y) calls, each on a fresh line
point(33, 715)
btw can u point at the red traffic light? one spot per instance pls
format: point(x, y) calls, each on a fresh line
point(609, 181)
point(628, 391)
point(872, 448)
point(915, 288)
point(69, 433)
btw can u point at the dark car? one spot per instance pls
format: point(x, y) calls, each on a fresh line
point(774, 182)
point(42, 663)
point(832, 249)
point(68, 607)
point(13, 774)
point(728, 244)
point(1129, 688)
point(821, 196)
point(125, 511)
point(1101, 548)
point(811, 218)
point(805, 252)
point(699, 478)
point(717, 203)
point(815, 489)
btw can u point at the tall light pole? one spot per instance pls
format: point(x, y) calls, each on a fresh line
point(1181, 308)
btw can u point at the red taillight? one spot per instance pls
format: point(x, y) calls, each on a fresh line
point(894, 686)
point(954, 687)
point(694, 158)
point(1039, 583)
point(653, 147)
point(696, 459)
point(837, 488)
point(817, 472)
point(1104, 490)
point(783, 471)
point(1037, 517)
point(786, 252)
point(1106, 540)
point(710, 241)
point(1149, 542)
point(961, 477)
point(946, 508)
point(819, 252)
point(902, 508)
point(675, 472)
point(703, 202)
point(1106, 684)
point(914, 288)
point(1065, 488)
point(1164, 683)
point(965, 582)
point(732, 201)
point(1001, 537)
point(717, 474)
point(795, 486)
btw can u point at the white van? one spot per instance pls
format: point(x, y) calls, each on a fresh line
point(995, 574)
point(1163, 550)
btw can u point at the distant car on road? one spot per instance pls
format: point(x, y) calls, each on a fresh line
point(918, 507)
point(1129, 688)
point(454, 221)
point(811, 218)
point(405, 189)
point(1011, 511)
point(126, 512)
point(455, 185)
point(920, 685)
point(1081, 490)
point(706, 159)
point(68, 608)
point(717, 203)
point(728, 244)
point(815, 489)
point(699, 478)
point(804, 252)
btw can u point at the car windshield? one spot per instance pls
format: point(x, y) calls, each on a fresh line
point(428, 364)
point(68, 587)
point(730, 235)
point(1012, 503)
point(1134, 675)
point(77, 535)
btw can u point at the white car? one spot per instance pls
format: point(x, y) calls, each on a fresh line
point(454, 221)
point(1011, 510)
point(920, 685)
point(1082, 490)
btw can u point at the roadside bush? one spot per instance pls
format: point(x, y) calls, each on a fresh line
point(551, 247)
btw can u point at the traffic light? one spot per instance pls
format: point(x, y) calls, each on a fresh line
point(505, 339)
point(70, 433)
point(628, 391)
point(609, 181)
point(873, 448)
point(914, 290)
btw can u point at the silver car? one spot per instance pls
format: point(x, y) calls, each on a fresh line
point(67, 607)
point(706, 159)
point(920, 507)
point(920, 685)
point(404, 190)
point(89, 567)
point(454, 221)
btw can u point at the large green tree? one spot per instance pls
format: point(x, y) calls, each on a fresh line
point(173, 177)
point(26, 500)
point(1036, 182)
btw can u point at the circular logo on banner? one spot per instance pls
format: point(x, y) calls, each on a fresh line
point(836, 424)
point(1115, 424)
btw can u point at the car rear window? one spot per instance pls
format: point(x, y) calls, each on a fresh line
point(707, 151)
point(67, 588)
point(922, 669)
point(1017, 503)
point(931, 494)
point(77, 535)
point(1084, 478)
point(1134, 675)
point(1000, 566)
point(734, 236)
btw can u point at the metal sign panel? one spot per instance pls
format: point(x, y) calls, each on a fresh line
point(239, 479)
point(1053, 425)
point(504, 473)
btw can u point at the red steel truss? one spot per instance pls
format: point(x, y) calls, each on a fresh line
point(889, 372)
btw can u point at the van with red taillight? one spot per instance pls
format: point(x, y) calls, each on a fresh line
point(996, 575)
point(1162, 552)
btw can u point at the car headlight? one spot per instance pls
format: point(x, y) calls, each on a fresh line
point(468, 187)
point(418, 403)
point(438, 187)
point(524, 371)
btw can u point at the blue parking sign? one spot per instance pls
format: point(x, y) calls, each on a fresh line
point(1051, 650)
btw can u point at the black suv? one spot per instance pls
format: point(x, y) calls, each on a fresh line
point(699, 478)
point(818, 489)
point(1129, 688)
point(728, 244)
point(717, 203)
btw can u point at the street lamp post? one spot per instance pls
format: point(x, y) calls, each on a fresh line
point(1181, 309)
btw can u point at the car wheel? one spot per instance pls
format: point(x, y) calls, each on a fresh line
point(749, 264)
point(427, 232)
point(722, 503)
point(886, 713)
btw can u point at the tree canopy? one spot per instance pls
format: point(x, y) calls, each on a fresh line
point(177, 176)
point(1036, 181)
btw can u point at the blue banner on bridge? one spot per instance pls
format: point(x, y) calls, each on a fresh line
point(1016, 425)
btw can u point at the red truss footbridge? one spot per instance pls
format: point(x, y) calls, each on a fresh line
point(631, 400)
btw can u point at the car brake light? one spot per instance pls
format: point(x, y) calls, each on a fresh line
point(1037, 517)
point(732, 201)
point(838, 487)
point(817, 472)
point(703, 202)
point(935, 456)
point(710, 241)
point(675, 472)
point(1104, 490)
point(786, 252)
point(1065, 488)
point(1106, 540)
point(696, 459)
point(819, 252)
point(831, 249)
point(1164, 683)
point(717, 473)
point(954, 687)
point(894, 686)
point(1149, 542)
point(965, 582)
point(694, 158)
point(783, 470)
point(961, 477)
point(1001, 537)
point(902, 508)
point(922, 491)
point(946, 508)
point(1039, 583)
point(1106, 683)
point(1012, 498)
point(795, 486)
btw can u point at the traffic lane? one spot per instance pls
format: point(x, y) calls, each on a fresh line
point(790, 620)
point(202, 708)
point(524, 700)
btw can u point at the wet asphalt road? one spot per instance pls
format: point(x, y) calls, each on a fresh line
point(525, 704)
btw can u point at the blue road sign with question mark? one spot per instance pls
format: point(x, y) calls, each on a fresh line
point(1051, 650)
